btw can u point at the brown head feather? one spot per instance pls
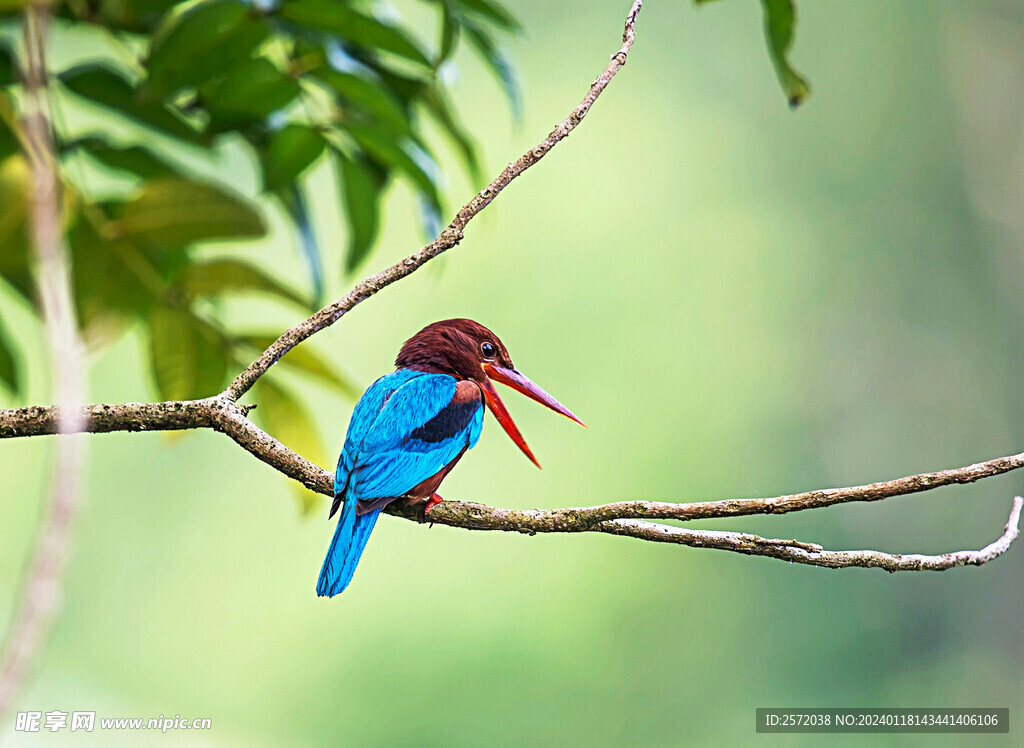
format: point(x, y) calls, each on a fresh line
point(453, 346)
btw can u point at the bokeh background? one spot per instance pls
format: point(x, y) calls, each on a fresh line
point(740, 300)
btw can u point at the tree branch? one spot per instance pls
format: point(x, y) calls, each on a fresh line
point(812, 554)
point(629, 518)
point(173, 415)
point(619, 518)
point(41, 593)
point(581, 519)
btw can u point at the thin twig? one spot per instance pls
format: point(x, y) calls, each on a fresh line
point(811, 554)
point(41, 592)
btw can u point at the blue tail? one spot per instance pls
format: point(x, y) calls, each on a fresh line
point(346, 548)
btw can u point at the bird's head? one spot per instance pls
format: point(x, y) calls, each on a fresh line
point(467, 350)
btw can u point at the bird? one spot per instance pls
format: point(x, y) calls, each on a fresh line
point(412, 426)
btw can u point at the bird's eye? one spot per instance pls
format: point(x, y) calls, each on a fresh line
point(488, 350)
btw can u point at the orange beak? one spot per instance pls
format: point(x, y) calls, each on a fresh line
point(521, 383)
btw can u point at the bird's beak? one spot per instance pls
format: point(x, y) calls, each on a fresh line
point(521, 383)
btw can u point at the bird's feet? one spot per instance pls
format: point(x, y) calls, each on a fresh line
point(432, 502)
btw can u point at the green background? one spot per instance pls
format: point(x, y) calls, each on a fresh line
point(738, 299)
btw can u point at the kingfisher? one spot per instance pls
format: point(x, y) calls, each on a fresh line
point(412, 426)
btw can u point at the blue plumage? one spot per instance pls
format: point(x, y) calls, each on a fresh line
point(408, 427)
point(346, 547)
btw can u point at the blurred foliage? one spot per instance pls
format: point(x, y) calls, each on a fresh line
point(297, 82)
point(779, 21)
point(8, 365)
point(779, 24)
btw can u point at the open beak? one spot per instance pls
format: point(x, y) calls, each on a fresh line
point(521, 383)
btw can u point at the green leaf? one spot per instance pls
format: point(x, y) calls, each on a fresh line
point(361, 188)
point(114, 280)
point(291, 150)
point(293, 200)
point(8, 67)
point(109, 87)
point(8, 114)
point(8, 365)
point(140, 16)
point(405, 90)
point(201, 42)
point(449, 34)
point(8, 145)
point(14, 191)
point(497, 62)
point(306, 359)
point(251, 91)
point(226, 276)
point(187, 355)
point(175, 212)
point(493, 12)
point(282, 416)
point(392, 153)
point(135, 159)
point(367, 97)
point(341, 20)
point(779, 23)
point(438, 105)
point(8, 141)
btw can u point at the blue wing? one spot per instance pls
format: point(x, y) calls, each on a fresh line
point(363, 416)
point(406, 428)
